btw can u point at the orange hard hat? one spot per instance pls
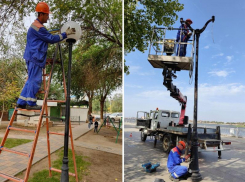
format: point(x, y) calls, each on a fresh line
point(182, 143)
point(189, 20)
point(42, 7)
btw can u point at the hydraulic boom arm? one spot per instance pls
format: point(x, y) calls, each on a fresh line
point(175, 93)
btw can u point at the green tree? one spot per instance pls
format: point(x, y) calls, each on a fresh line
point(11, 79)
point(141, 15)
point(117, 103)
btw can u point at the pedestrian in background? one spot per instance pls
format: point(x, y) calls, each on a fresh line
point(96, 124)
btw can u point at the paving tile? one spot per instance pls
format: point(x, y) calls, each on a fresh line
point(15, 163)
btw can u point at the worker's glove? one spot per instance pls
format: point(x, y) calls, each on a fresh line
point(187, 157)
point(189, 34)
point(70, 31)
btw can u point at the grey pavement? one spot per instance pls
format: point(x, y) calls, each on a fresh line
point(228, 169)
point(12, 164)
point(98, 147)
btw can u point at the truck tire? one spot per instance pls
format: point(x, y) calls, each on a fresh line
point(166, 144)
point(143, 136)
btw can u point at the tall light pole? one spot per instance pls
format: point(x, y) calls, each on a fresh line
point(65, 168)
point(194, 166)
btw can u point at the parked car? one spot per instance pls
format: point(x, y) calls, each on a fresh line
point(115, 116)
point(106, 115)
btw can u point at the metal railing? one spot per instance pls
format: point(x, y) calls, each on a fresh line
point(159, 42)
point(225, 131)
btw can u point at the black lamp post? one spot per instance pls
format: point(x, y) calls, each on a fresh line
point(194, 166)
point(65, 168)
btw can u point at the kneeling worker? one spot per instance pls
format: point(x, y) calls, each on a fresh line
point(174, 161)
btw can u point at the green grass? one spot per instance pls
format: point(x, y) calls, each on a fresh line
point(240, 126)
point(43, 176)
point(12, 142)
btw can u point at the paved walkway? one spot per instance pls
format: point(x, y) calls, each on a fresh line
point(98, 147)
point(12, 164)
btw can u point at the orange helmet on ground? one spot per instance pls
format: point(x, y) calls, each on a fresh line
point(182, 143)
point(42, 7)
point(189, 20)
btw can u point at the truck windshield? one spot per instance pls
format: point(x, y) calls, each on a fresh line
point(174, 115)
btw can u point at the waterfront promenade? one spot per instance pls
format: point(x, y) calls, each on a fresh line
point(228, 169)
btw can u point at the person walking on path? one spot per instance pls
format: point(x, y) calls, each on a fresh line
point(174, 161)
point(183, 35)
point(90, 121)
point(35, 55)
point(96, 124)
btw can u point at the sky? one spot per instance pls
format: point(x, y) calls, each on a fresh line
point(221, 81)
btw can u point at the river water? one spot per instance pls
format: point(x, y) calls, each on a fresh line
point(228, 130)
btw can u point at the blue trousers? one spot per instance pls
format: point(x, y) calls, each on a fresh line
point(182, 50)
point(33, 84)
point(178, 171)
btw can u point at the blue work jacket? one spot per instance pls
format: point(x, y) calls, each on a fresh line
point(182, 34)
point(174, 158)
point(38, 38)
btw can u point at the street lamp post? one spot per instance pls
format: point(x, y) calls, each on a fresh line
point(65, 168)
point(194, 166)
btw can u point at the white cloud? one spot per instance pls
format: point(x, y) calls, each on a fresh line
point(218, 55)
point(134, 69)
point(221, 102)
point(206, 47)
point(229, 60)
point(222, 73)
point(137, 70)
point(133, 86)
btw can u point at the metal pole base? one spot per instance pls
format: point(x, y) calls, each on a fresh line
point(196, 176)
point(65, 170)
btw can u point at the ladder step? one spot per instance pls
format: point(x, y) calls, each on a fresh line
point(59, 171)
point(41, 92)
point(61, 101)
point(57, 133)
point(12, 178)
point(14, 151)
point(46, 74)
point(20, 129)
point(19, 109)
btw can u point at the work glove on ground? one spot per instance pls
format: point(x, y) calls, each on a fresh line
point(70, 31)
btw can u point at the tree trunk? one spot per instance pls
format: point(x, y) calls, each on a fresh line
point(2, 115)
point(101, 110)
point(90, 104)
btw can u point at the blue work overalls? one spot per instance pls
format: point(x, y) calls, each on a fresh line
point(35, 56)
point(173, 164)
point(184, 38)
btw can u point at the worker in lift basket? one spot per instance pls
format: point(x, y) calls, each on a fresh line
point(174, 161)
point(183, 36)
point(35, 55)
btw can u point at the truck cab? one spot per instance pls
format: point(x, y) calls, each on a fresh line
point(157, 119)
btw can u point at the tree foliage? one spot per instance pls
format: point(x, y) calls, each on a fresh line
point(101, 23)
point(141, 15)
point(11, 79)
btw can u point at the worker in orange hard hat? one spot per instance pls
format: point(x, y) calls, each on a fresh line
point(35, 55)
point(174, 161)
point(183, 35)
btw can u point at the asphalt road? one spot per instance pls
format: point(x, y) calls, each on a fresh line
point(231, 168)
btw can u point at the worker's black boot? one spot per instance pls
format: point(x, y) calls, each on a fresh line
point(173, 179)
point(36, 107)
point(21, 106)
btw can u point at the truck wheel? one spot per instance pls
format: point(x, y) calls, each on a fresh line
point(143, 136)
point(166, 143)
